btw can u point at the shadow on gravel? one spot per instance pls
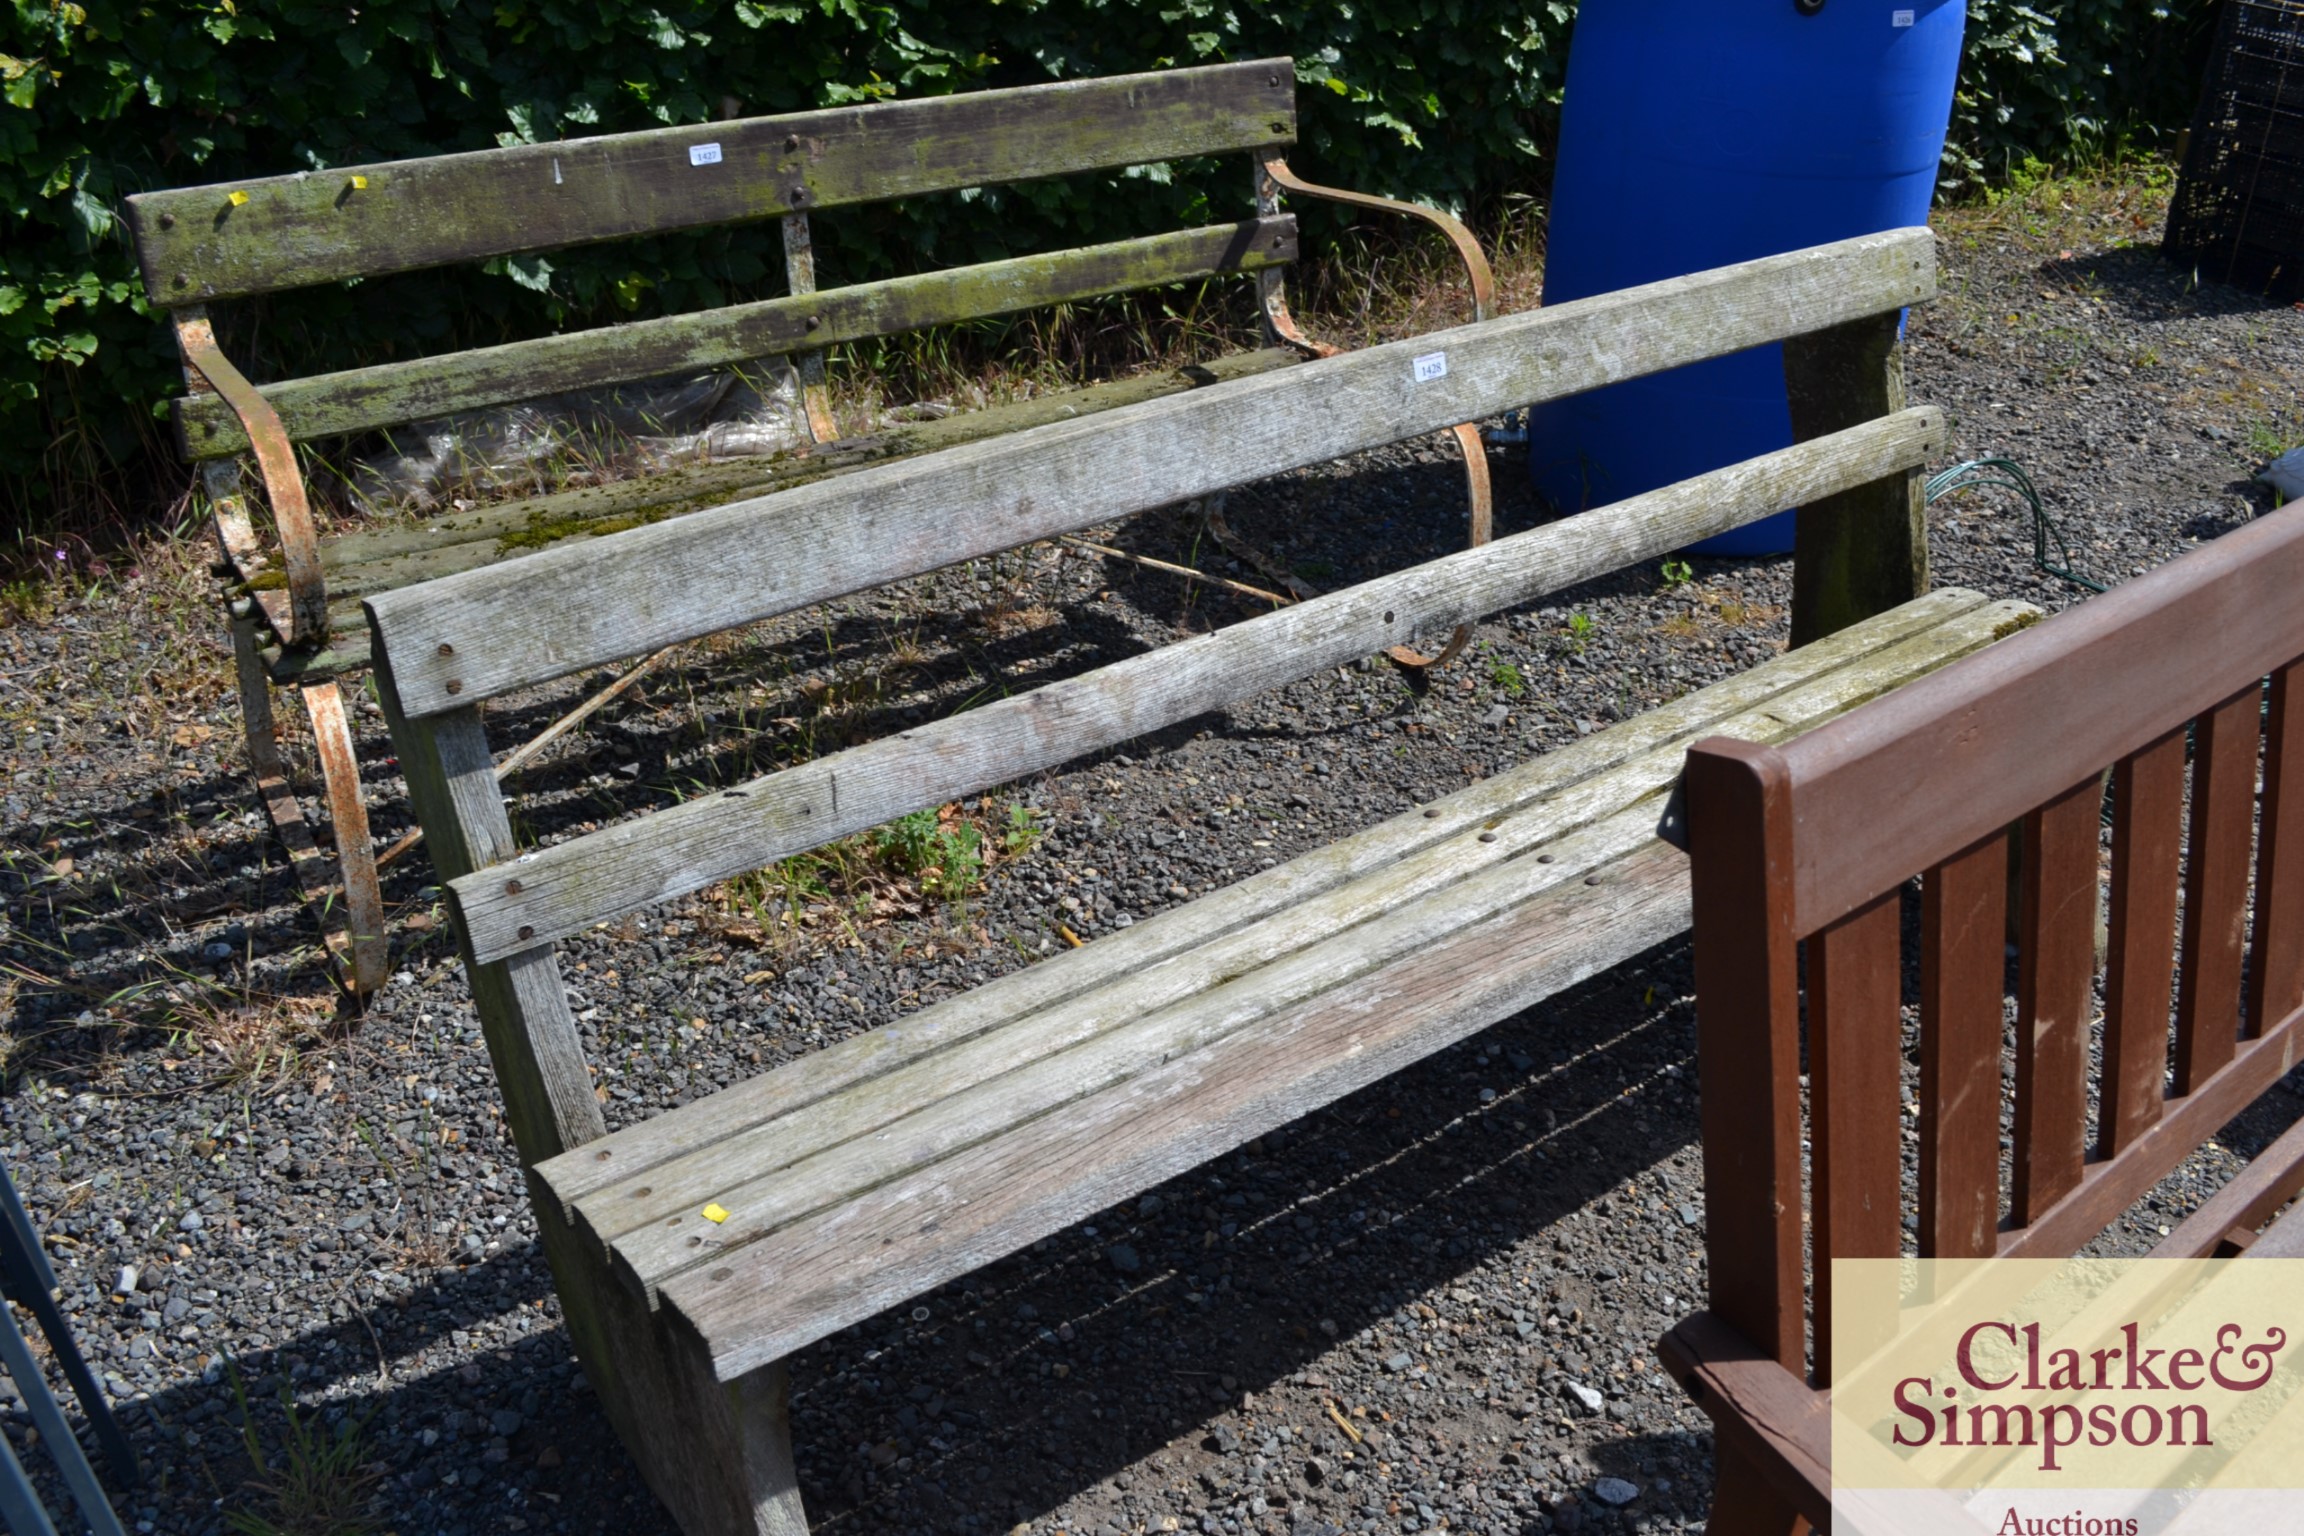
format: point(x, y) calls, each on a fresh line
point(1052, 1371)
point(2141, 284)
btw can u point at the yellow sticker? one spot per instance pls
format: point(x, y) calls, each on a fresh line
point(237, 199)
point(715, 1212)
point(359, 183)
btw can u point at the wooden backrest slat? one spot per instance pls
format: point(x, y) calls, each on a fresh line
point(2216, 886)
point(328, 405)
point(1963, 940)
point(1934, 775)
point(2276, 952)
point(565, 888)
point(2055, 999)
point(1855, 1104)
point(232, 240)
point(2140, 965)
point(484, 632)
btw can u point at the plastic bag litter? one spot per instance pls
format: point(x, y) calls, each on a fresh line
point(553, 440)
point(2285, 475)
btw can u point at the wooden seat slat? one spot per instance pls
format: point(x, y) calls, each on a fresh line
point(339, 404)
point(784, 1167)
point(573, 607)
point(650, 1147)
point(237, 239)
point(927, 1227)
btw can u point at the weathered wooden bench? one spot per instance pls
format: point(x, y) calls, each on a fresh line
point(295, 597)
point(1812, 842)
point(696, 1251)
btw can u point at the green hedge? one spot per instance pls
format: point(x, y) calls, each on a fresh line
point(1447, 100)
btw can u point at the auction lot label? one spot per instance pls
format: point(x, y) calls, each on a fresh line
point(2067, 1397)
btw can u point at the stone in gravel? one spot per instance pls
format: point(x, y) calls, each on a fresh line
point(1124, 1258)
point(505, 1422)
point(125, 1284)
point(1399, 1362)
point(1222, 1440)
point(1616, 1491)
point(1593, 1402)
point(1315, 1471)
point(190, 1222)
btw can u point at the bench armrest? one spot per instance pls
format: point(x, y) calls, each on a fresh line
point(1476, 269)
point(307, 626)
point(1771, 1418)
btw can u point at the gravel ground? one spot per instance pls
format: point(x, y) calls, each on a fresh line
point(1433, 1304)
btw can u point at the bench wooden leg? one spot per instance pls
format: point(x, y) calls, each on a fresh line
point(719, 1455)
point(1745, 1503)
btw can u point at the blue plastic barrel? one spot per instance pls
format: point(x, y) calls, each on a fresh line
point(1695, 134)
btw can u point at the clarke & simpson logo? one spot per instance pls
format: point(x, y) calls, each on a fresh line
point(2067, 1397)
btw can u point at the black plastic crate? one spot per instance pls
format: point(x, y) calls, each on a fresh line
point(2238, 215)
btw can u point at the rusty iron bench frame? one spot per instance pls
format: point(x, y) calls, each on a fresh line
point(696, 1250)
point(203, 245)
point(1812, 842)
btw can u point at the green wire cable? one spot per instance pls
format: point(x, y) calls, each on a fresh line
point(2008, 475)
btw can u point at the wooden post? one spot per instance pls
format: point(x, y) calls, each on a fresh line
point(718, 1454)
point(1865, 550)
point(1748, 1041)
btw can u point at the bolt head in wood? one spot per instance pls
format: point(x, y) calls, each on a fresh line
point(527, 932)
point(454, 685)
point(446, 649)
point(513, 887)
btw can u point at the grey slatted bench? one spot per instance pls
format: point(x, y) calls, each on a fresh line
point(695, 1252)
point(294, 597)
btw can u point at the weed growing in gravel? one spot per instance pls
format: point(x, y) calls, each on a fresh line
point(1580, 632)
point(941, 855)
point(938, 851)
point(1678, 573)
point(1024, 831)
point(1507, 677)
point(324, 1483)
point(2270, 436)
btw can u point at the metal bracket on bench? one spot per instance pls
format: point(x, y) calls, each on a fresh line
point(1273, 177)
point(283, 484)
point(362, 945)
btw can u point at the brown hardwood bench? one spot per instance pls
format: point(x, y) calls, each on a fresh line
point(1812, 841)
point(695, 1251)
point(294, 596)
